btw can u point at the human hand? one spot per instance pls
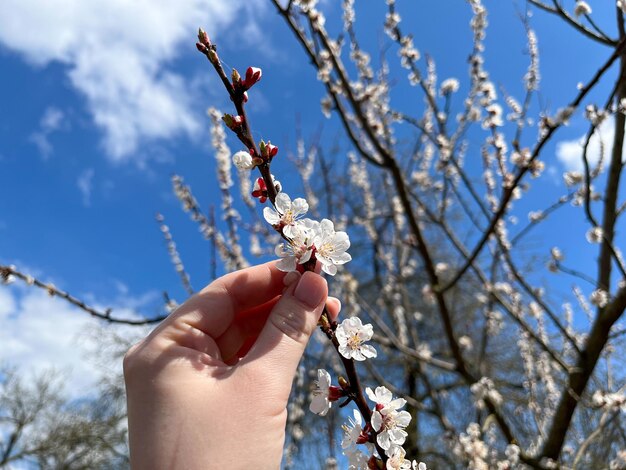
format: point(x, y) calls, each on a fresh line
point(208, 388)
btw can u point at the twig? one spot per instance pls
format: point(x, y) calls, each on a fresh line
point(6, 272)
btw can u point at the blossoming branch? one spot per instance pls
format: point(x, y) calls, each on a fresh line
point(374, 439)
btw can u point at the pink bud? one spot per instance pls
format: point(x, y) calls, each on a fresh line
point(268, 151)
point(260, 190)
point(201, 47)
point(232, 122)
point(272, 150)
point(253, 75)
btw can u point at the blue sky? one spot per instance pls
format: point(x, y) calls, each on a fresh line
point(102, 102)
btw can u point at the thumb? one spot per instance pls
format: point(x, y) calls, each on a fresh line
point(291, 322)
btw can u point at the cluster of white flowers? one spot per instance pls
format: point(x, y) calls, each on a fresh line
point(307, 237)
point(471, 448)
point(485, 389)
point(389, 422)
point(595, 115)
point(609, 401)
point(304, 238)
point(572, 178)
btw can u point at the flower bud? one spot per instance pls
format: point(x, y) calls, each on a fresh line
point(203, 37)
point(343, 383)
point(202, 48)
point(236, 78)
point(268, 151)
point(243, 160)
point(260, 190)
point(232, 122)
point(253, 75)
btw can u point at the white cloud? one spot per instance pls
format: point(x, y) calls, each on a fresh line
point(51, 121)
point(39, 333)
point(85, 183)
point(570, 152)
point(117, 53)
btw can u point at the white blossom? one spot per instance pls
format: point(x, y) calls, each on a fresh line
point(556, 254)
point(485, 389)
point(297, 250)
point(351, 334)
point(286, 213)
point(352, 432)
point(536, 216)
point(386, 419)
point(582, 8)
point(330, 246)
point(396, 459)
point(572, 178)
point(494, 116)
point(599, 298)
point(320, 403)
point(449, 86)
point(465, 342)
point(595, 234)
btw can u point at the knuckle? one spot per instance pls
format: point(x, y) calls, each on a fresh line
point(132, 358)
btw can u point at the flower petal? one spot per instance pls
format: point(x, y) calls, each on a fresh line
point(377, 421)
point(403, 418)
point(272, 217)
point(341, 241)
point(397, 404)
point(383, 440)
point(368, 351)
point(287, 264)
point(299, 206)
point(397, 436)
point(319, 405)
point(283, 202)
point(290, 231)
point(329, 269)
point(341, 258)
point(345, 351)
point(306, 256)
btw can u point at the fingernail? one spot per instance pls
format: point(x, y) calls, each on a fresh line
point(311, 289)
point(335, 301)
point(291, 277)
